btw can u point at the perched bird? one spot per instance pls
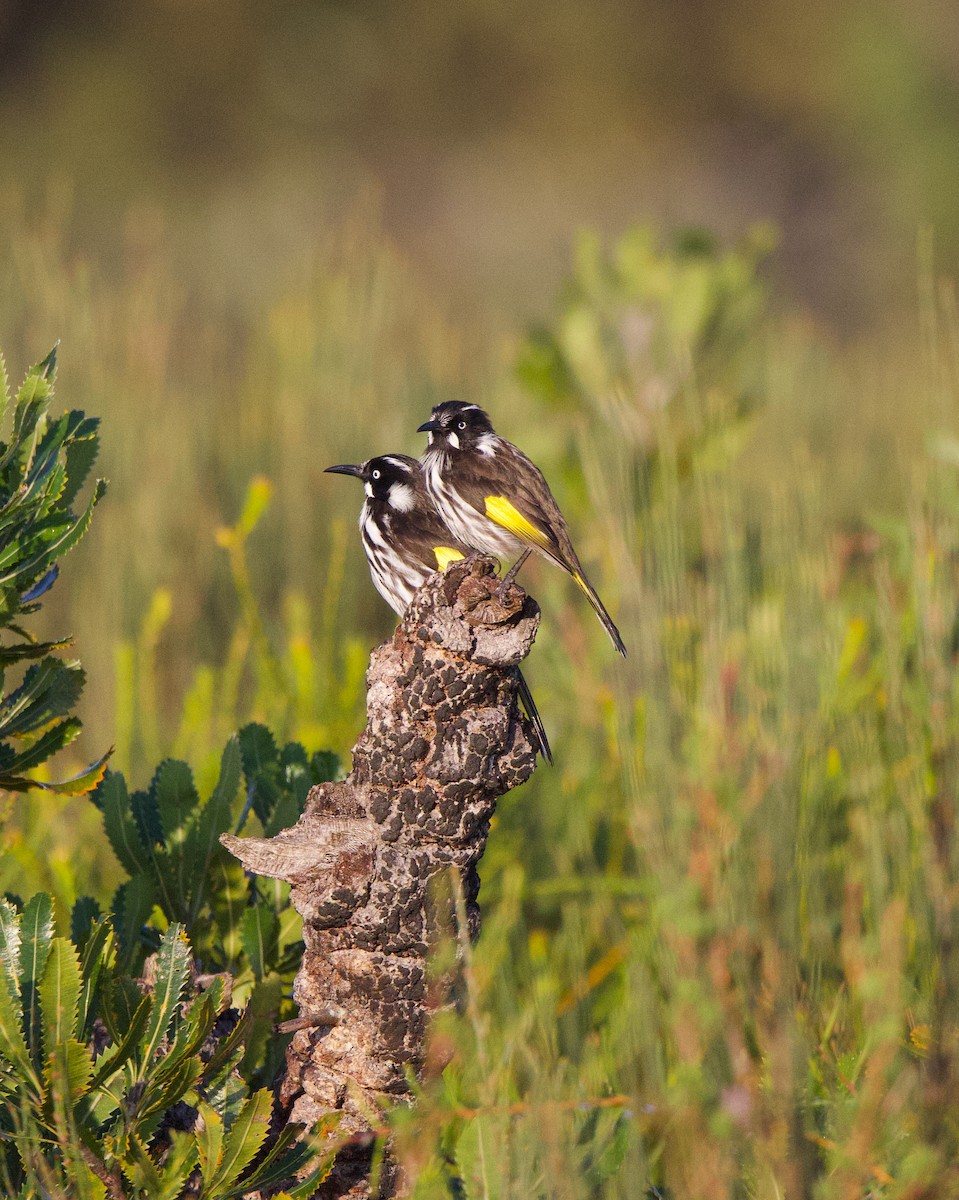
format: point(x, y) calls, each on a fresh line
point(406, 541)
point(494, 499)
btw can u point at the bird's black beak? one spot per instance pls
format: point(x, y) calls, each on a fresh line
point(346, 469)
point(430, 427)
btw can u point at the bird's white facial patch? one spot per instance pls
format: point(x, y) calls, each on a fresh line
point(453, 440)
point(401, 497)
point(368, 488)
point(487, 444)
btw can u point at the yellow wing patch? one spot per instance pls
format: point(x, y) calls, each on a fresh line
point(445, 555)
point(504, 513)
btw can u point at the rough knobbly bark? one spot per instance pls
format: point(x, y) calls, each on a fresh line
point(444, 739)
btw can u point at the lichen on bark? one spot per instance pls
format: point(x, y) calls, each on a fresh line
point(445, 737)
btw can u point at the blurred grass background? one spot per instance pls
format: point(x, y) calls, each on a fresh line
point(270, 239)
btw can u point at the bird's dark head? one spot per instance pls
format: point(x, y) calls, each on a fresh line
point(391, 479)
point(457, 426)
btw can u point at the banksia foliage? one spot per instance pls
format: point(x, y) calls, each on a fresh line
point(43, 464)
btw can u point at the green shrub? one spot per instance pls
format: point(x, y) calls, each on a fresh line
point(123, 1087)
point(43, 465)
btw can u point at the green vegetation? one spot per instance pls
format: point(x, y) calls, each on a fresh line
point(116, 1124)
point(42, 468)
point(719, 950)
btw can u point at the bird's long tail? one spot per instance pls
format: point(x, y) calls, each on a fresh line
point(590, 592)
point(526, 697)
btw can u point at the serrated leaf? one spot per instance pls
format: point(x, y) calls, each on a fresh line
point(325, 766)
point(227, 1048)
point(259, 929)
point(59, 991)
point(284, 1160)
point(139, 1167)
point(209, 1141)
point(10, 944)
point(307, 1187)
point(50, 689)
point(243, 1139)
point(123, 1002)
point(113, 801)
point(257, 748)
point(163, 1091)
point(203, 840)
point(83, 916)
point(81, 454)
point(132, 904)
point(99, 952)
point(36, 934)
point(229, 892)
point(143, 807)
point(60, 542)
point(172, 969)
point(80, 784)
point(125, 1044)
point(69, 1070)
point(176, 799)
point(44, 747)
point(13, 1045)
point(181, 1158)
point(24, 651)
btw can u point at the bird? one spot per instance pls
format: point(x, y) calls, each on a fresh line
point(494, 499)
point(406, 541)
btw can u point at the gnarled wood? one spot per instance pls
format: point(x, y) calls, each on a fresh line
point(444, 739)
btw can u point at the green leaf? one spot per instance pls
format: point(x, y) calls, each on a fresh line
point(99, 953)
point(259, 930)
point(70, 1069)
point(81, 454)
point(215, 819)
point(129, 1036)
point(20, 651)
point(62, 541)
point(243, 1140)
point(13, 1045)
point(181, 1158)
point(284, 1159)
point(121, 1010)
point(209, 1138)
point(325, 766)
point(59, 991)
point(77, 785)
point(164, 1090)
point(258, 749)
point(10, 944)
point(229, 1046)
point(112, 799)
point(172, 969)
point(229, 893)
point(132, 905)
point(50, 689)
point(46, 745)
point(83, 917)
point(36, 933)
point(139, 1167)
point(176, 800)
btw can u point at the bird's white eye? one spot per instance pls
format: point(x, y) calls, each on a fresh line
point(461, 425)
point(375, 474)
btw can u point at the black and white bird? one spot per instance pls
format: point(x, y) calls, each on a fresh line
point(493, 498)
point(406, 541)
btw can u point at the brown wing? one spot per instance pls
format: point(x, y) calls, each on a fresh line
point(511, 475)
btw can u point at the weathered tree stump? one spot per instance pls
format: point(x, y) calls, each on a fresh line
point(444, 739)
